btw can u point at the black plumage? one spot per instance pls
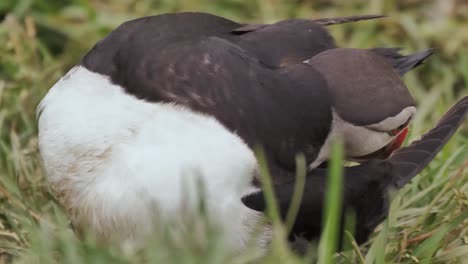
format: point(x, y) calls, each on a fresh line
point(283, 43)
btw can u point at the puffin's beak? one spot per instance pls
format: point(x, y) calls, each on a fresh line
point(386, 151)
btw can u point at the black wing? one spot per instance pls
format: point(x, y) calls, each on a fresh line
point(403, 63)
point(409, 161)
point(153, 32)
point(365, 186)
point(285, 42)
point(296, 40)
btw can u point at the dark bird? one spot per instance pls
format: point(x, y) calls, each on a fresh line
point(192, 59)
point(283, 43)
point(366, 186)
point(164, 101)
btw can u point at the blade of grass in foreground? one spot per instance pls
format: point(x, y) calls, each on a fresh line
point(356, 248)
point(328, 241)
point(301, 172)
point(267, 185)
point(376, 253)
point(279, 246)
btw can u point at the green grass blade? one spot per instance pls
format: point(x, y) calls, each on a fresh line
point(267, 187)
point(298, 192)
point(427, 248)
point(329, 239)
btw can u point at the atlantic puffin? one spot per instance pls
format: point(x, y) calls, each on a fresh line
point(150, 111)
point(366, 187)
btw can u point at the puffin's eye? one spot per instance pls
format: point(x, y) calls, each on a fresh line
point(397, 130)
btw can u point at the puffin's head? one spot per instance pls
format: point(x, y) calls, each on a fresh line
point(371, 105)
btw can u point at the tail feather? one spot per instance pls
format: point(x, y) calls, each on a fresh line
point(245, 28)
point(401, 63)
point(346, 19)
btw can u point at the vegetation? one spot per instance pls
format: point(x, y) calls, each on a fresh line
point(41, 39)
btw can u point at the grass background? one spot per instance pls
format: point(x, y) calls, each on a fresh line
point(41, 39)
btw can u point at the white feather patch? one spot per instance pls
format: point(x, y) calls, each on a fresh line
point(112, 159)
point(361, 140)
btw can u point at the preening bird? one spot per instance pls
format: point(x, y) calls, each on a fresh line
point(227, 70)
point(366, 186)
point(165, 101)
